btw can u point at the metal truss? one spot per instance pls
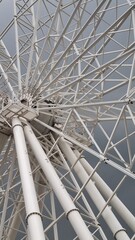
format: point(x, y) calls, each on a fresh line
point(67, 120)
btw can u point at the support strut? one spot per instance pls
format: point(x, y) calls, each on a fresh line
point(106, 191)
point(33, 217)
point(69, 207)
point(95, 195)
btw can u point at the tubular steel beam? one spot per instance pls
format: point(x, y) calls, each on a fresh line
point(33, 218)
point(69, 207)
point(112, 222)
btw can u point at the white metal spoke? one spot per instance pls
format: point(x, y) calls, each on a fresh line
point(6, 199)
point(67, 83)
point(87, 49)
point(17, 49)
point(34, 39)
point(122, 110)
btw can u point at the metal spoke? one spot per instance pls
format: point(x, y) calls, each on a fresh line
point(67, 119)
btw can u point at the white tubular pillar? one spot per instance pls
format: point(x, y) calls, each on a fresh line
point(107, 193)
point(112, 222)
point(70, 209)
point(33, 217)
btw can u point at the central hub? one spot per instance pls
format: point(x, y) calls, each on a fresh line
point(14, 109)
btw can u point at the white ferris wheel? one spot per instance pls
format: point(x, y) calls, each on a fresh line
point(67, 119)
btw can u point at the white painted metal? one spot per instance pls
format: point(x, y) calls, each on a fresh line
point(117, 229)
point(6, 199)
point(17, 50)
point(107, 193)
point(83, 196)
point(33, 217)
point(16, 221)
point(70, 209)
point(67, 67)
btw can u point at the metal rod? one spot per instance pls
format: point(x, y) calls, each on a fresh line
point(55, 227)
point(107, 192)
point(34, 38)
point(32, 209)
point(69, 207)
point(4, 211)
point(15, 222)
point(82, 105)
point(17, 49)
point(60, 133)
point(82, 195)
point(95, 195)
point(88, 48)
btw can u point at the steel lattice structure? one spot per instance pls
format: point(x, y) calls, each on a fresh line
point(67, 119)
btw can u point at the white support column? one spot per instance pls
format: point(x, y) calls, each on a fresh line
point(112, 222)
point(107, 192)
point(32, 209)
point(69, 207)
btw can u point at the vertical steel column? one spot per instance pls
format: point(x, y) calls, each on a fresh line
point(32, 209)
point(112, 222)
point(70, 209)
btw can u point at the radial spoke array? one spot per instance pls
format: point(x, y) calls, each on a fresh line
point(67, 73)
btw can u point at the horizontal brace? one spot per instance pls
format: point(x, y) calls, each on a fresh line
point(92, 104)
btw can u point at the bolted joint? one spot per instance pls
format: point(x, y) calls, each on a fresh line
point(32, 213)
point(120, 230)
point(130, 101)
point(74, 209)
point(16, 122)
point(105, 160)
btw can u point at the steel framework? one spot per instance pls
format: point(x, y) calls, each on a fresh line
point(67, 119)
